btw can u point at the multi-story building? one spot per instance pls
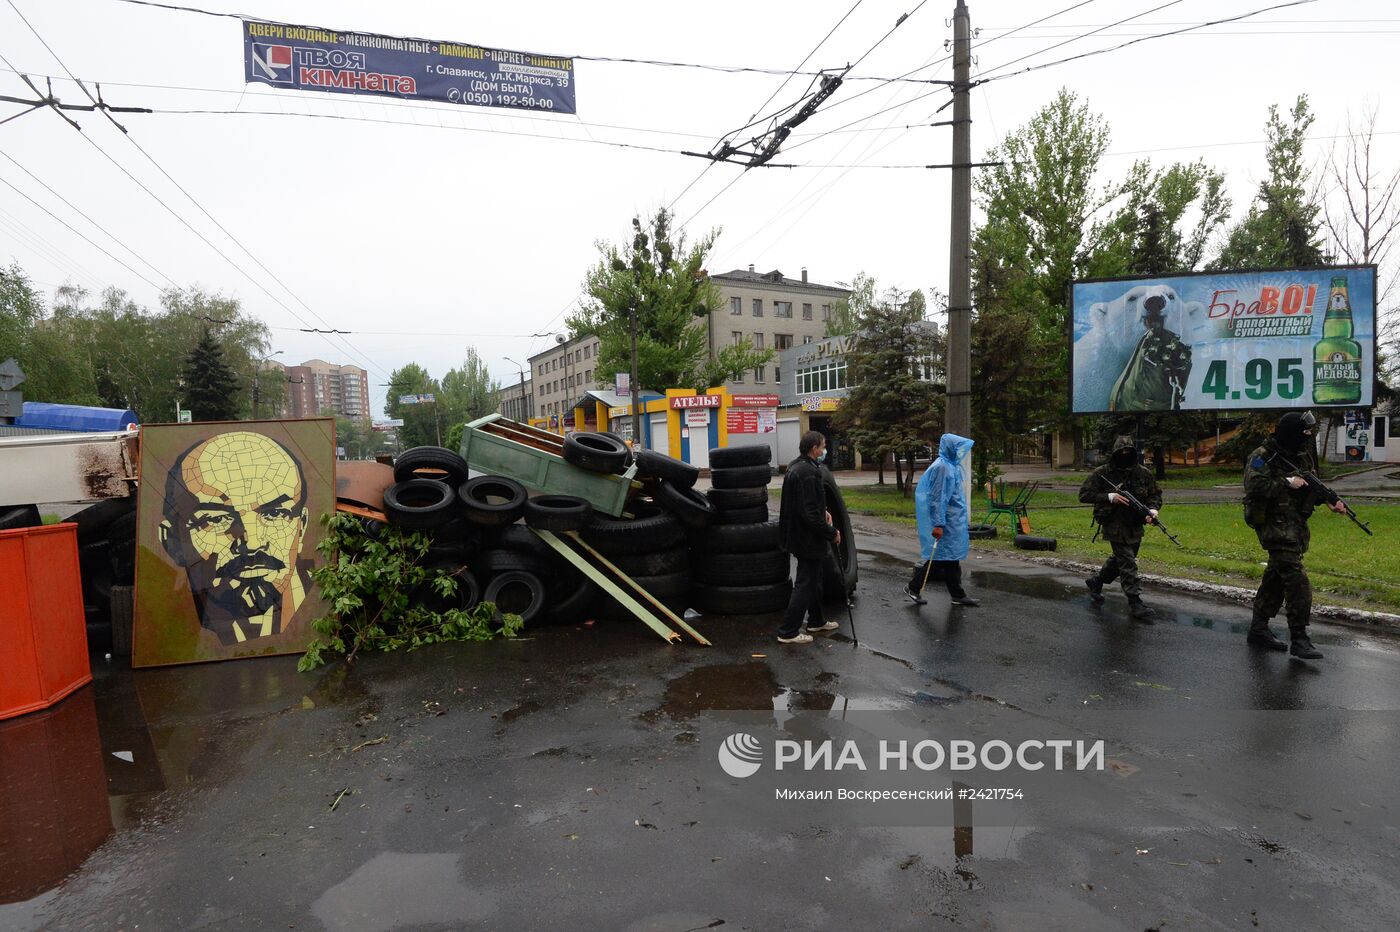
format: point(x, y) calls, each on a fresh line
point(769, 311)
point(561, 374)
point(514, 400)
point(317, 386)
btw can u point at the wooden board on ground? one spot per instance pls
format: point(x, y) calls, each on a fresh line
point(610, 587)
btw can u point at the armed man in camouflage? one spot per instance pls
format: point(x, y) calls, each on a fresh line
point(1278, 504)
point(1155, 377)
point(1121, 524)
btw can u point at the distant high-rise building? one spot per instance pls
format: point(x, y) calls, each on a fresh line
point(316, 387)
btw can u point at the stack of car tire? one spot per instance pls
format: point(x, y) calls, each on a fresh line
point(739, 567)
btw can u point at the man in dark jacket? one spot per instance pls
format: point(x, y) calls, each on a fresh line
point(806, 532)
point(1121, 523)
point(1278, 504)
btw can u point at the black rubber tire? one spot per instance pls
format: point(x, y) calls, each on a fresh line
point(756, 515)
point(475, 495)
point(660, 466)
point(841, 520)
point(121, 603)
point(517, 538)
point(1031, 542)
point(435, 462)
point(523, 591)
point(744, 569)
point(652, 529)
point(459, 532)
point(20, 517)
point(496, 562)
point(653, 562)
point(742, 538)
point(420, 503)
point(468, 588)
point(93, 520)
point(725, 499)
point(596, 452)
point(749, 455)
point(742, 600)
point(575, 607)
point(665, 588)
point(691, 507)
point(558, 513)
point(981, 531)
point(740, 477)
point(121, 549)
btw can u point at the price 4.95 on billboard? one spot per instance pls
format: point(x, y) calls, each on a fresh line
point(1262, 379)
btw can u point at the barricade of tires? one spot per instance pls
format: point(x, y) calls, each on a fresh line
point(739, 568)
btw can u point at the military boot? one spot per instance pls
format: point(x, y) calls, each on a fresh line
point(1139, 609)
point(1095, 589)
point(1261, 635)
point(1302, 646)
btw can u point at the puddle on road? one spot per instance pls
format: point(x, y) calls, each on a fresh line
point(751, 687)
point(99, 761)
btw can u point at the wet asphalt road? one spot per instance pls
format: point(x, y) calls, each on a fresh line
point(560, 781)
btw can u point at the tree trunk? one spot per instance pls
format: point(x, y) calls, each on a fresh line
point(882, 469)
point(898, 475)
point(909, 482)
point(1159, 455)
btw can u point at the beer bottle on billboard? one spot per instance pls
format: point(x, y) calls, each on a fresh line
point(1337, 357)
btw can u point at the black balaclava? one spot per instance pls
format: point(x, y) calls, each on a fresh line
point(1124, 452)
point(1295, 431)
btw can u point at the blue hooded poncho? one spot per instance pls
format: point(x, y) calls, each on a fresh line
point(939, 501)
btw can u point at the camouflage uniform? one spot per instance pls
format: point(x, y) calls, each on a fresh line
point(1155, 376)
point(1121, 524)
point(1279, 515)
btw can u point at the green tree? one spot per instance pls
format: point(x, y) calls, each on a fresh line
point(658, 284)
point(420, 421)
point(468, 392)
point(848, 310)
point(893, 406)
point(210, 387)
point(37, 340)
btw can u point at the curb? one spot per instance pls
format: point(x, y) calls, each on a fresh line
point(1340, 614)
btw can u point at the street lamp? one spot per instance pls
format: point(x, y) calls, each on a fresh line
point(257, 372)
point(520, 406)
point(563, 340)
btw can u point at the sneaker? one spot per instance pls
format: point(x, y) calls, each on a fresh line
point(914, 597)
point(1095, 590)
point(823, 629)
point(966, 600)
point(798, 638)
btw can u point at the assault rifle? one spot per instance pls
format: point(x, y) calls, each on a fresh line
point(1142, 509)
point(1321, 491)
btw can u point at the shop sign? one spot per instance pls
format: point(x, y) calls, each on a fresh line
point(683, 402)
point(820, 403)
point(697, 417)
point(753, 401)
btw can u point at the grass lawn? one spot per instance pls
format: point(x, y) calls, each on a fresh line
point(1346, 566)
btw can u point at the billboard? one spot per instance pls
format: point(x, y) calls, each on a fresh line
point(309, 58)
point(1224, 341)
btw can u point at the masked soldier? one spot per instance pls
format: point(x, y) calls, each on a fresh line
point(1121, 523)
point(1155, 377)
point(1278, 504)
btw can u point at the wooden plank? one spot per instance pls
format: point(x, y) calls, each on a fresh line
point(612, 589)
point(680, 622)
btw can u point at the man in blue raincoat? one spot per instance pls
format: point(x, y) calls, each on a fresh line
point(941, 508)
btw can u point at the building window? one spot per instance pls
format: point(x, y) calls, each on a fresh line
point(736, 337)
point(758, 307)
point(736, 305)
point(806, 338)
point(588, 351)
point(782, 308)
point(826, 312)
point(758, 341)
point(758, 374)
point(782, 341)
point(806, 312)
point(578, 355)
point(777, 375)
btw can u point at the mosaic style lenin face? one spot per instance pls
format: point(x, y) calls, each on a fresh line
point(235, 519)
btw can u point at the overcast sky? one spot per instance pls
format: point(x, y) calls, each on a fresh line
point(473, 226)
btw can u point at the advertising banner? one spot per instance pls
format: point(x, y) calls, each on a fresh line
point(623, 384)
point(1224, 341)
point(308, 58)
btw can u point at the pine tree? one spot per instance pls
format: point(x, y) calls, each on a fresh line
point(210, 386)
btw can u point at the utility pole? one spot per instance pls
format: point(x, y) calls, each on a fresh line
point(958, 418)
point(635, 388)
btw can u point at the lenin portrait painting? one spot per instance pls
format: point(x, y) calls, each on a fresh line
point(228, 518)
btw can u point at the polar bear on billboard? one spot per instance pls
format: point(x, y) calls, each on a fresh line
point(1114, 329)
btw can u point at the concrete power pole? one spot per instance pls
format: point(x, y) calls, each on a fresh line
point(959, 413)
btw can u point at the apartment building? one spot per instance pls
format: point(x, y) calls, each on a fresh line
point(318, 386)
point(771, 311)
point(561, 374)
point(515, 400)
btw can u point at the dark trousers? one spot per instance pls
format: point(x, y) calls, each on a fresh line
point(1123, 564)
point(806, 597)
point(1285, 581)
point(948, 571)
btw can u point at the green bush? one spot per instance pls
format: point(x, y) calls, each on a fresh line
point(367, 581)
